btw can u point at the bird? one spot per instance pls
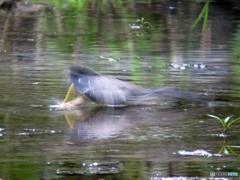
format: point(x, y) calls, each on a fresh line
point(109, 91)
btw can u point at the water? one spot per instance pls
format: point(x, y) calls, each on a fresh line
point(38, 42)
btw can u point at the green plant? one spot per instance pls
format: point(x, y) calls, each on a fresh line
point(226, 123)
point(226, 149)
point(144, 23)
point(203, 15)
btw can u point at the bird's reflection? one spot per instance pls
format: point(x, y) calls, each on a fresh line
point(99, 123)
point(105, 123)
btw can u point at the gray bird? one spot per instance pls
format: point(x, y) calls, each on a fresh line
point(112, 92)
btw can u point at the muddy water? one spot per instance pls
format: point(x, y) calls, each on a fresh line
point(38, 42)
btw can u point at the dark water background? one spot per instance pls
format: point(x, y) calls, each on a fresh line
point(38, 42)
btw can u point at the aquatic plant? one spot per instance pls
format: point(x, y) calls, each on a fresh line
point(79, 5)
point(228, 150)
point(203, 15)
point(226, 123)
point(144, 23)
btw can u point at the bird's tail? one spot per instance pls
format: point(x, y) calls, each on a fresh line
point(157, 95)
point(181, 95)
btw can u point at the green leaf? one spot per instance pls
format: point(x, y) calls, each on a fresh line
point(233, 121)
point(221, 150)
point(225, 151)
point(221, 120)
point(203, 14)
point(226, 119)
point(206, 16)
point(215, 117)
point(141, 21)
point(232, 152)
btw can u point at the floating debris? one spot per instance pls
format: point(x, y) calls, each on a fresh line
point(109, 59)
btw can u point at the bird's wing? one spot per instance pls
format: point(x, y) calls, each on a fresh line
point(101, 89)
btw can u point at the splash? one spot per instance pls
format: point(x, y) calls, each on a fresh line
point(58, 104)
point(65, 104)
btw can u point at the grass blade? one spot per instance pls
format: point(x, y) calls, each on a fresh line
point(215, 117)
point(203, 14)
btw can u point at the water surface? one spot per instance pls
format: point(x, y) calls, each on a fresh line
point(38, 42)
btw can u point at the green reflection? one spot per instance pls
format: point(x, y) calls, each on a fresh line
point(235, 54)
point(203, 15)
point(77, 6)
point(22, 167)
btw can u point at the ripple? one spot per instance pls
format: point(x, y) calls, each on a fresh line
point(71, 168)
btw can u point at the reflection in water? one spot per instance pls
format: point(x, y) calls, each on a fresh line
point(158, 136)
point(103, 123)
point(100, 123)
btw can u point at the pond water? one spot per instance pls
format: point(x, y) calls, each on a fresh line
point(38, 42)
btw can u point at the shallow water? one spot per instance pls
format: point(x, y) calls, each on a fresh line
point(38, 42)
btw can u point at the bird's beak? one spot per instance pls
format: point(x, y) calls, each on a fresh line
point(70, 92)
point(69, 102)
